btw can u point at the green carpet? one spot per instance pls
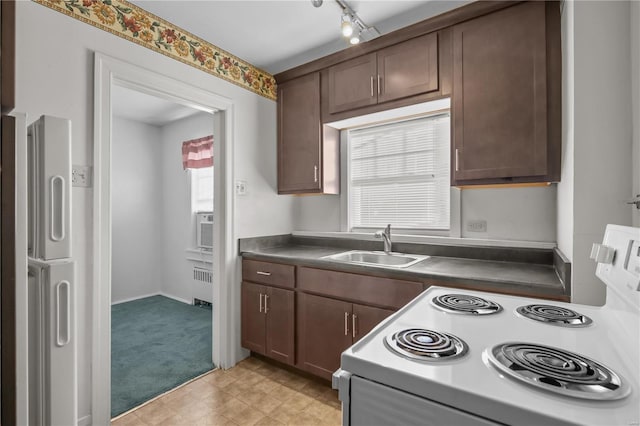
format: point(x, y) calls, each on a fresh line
point(157, 343)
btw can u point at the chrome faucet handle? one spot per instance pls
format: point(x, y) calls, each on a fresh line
point(378, 234)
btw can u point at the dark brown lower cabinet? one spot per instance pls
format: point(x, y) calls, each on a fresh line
point(268, 321)
point(326, 327)
point(254, 330)
point(365, 318)
point(279, 311)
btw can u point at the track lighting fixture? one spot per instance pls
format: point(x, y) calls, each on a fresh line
point(316, 3)
point(352, 27)
point(347, 25)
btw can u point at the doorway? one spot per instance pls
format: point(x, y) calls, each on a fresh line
point(161, 256)
point(110, 74)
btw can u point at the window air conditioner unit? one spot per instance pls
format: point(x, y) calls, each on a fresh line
point(204, 230)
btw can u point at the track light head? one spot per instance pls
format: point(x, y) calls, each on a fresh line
point(316, 3)
point(347, 25)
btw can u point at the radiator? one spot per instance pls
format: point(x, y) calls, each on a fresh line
point(202, 284)
point(202, 275)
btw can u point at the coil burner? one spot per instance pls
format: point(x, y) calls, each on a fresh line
point(554, 315)
point(557, 370)
point(465, 304)
point(426, 345)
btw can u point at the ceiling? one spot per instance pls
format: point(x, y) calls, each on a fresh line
point(278, 35)
point(138, 106)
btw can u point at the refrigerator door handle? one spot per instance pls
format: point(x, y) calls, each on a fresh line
point(63, 313)
point(57, 207)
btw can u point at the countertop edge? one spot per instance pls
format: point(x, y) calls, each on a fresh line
point(527, 289)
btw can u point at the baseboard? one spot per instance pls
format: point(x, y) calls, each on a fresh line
point(131, 299)
point(179, 299)
point(85, 421)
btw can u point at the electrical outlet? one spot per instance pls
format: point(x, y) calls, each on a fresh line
point(477, 226)
point(241, 187)
point(81, 176)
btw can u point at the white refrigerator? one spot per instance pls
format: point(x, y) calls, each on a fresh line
point(52, 364)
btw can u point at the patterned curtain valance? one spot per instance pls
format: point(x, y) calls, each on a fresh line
point(197, 153)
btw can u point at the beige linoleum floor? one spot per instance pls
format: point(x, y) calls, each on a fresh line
point(252, 393)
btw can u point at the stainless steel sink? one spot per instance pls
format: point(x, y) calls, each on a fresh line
point(377, 258)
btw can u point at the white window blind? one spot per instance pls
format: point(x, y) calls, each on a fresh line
point(399, 174)
point(202, 189)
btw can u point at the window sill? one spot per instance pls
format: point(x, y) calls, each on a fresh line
point(199, 255)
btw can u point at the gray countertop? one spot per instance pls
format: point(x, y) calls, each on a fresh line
point(521, 278)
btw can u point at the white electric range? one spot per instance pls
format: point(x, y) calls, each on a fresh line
point(457, 357)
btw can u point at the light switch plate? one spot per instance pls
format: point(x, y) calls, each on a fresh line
point(81, 176)
point(241, 187)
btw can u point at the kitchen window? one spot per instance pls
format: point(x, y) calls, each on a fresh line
point(398, 174)
point(202, 189)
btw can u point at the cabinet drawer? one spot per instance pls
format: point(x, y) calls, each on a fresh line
point(378, 291)
point(269, 273)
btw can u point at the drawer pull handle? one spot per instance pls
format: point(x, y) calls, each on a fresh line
point(379, 81)
point(346, 323)
point(260, 310)
point(266, 274)
point(353, 326)
point(266, 306)
point(372, 86)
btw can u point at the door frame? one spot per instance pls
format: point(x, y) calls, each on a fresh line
point(107, 71)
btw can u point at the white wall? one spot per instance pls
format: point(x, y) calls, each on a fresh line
point(177, 219)
point(635, 87)
point(54, 75)
point(599, 116)
point(516, 214)
point(564, 221)
point(136, 200)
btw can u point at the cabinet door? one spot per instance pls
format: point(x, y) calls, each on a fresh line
point(408, 68)
point(365, 318)
point(253, 318)
point(280, 324)
point(352, 84)
point(324, 332)
point(299, 135)
point(500, 94)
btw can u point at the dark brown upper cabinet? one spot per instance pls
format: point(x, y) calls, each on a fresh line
point(506, 96)
point(308, 152)
point(399, 71)
point(352, 84)
point(408, 68)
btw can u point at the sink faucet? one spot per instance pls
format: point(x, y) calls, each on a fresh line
point(386, 236)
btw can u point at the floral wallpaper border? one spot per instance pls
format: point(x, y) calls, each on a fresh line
point(130, 22)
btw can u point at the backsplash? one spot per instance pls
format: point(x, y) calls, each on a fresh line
point(518, 214)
